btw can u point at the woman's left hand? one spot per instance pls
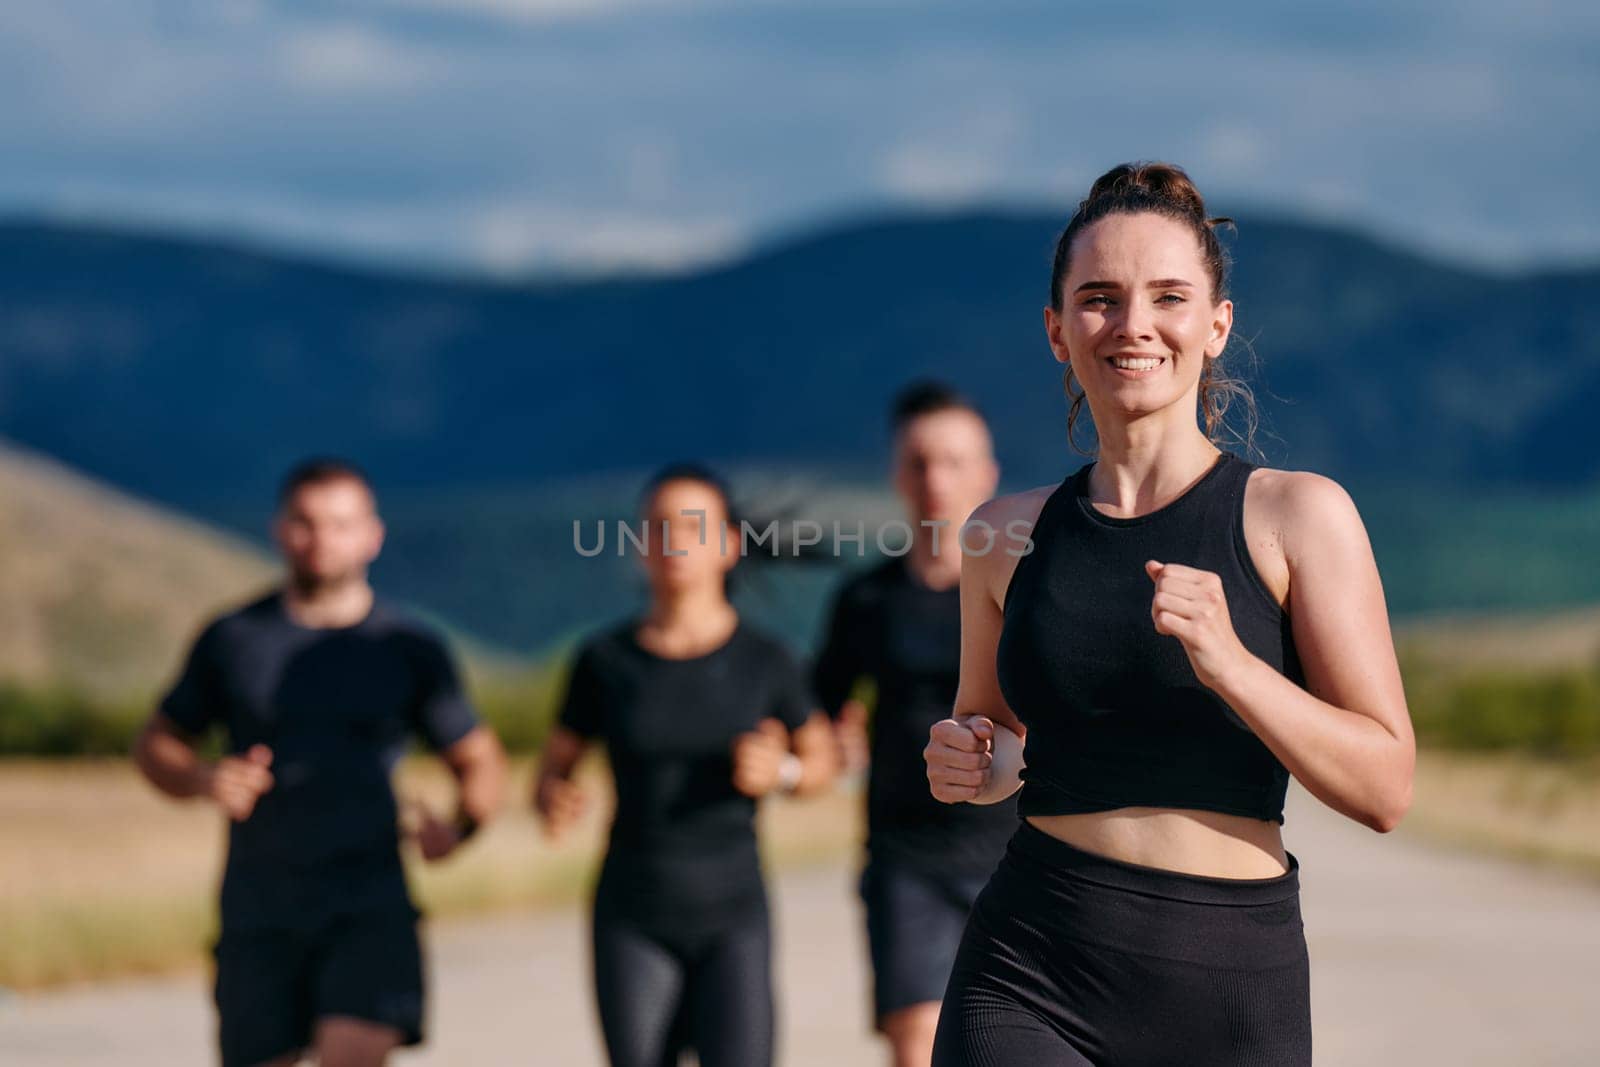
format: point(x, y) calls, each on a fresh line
point(1189, 604)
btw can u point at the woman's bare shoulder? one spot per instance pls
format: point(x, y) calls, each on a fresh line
point(1295, 508)
point(1012, 507)
point(1010, 520)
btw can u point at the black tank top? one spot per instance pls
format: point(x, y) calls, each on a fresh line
point(1115, 715)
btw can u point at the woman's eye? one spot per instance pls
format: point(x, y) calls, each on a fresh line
point(1174, 297)
point(1099, 300)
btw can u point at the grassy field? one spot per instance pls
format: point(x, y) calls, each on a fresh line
point(1541, 811)
point(99, 875)
point(1535, 640)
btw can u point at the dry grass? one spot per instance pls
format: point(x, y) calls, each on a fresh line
point(101, 875)
point(1515, 805)
point(1545, 640)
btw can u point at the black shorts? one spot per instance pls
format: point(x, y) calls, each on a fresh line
point(914, 924)
point(272, 985)
point(1072, 958)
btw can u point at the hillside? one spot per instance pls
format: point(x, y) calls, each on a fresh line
point(102, 590)
point(105, 591)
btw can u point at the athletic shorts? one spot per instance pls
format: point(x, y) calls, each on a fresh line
point(272, 985)
point(914, 924)
point(1079, 960)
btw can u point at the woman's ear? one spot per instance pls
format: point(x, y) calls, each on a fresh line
point(1053, 321)
point(1221, 327)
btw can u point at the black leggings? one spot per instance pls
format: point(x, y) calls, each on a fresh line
point(1079, 960)
point(662, 993)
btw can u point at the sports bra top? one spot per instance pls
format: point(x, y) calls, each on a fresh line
point(1115, 714)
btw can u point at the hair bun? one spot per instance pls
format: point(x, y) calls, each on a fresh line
point(1138, 188)
point(1162, 182)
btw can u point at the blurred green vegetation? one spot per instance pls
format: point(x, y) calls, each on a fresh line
point(65, 721)
point(521, 706)
point(1552, 713)
point(1547, 713)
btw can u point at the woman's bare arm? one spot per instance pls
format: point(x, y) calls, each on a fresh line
point(1347, 735)
point(559, 800)
point(976, 755)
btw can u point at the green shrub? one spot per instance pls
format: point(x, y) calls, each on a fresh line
point(521, 708)
point(61, 721)
point(1554, 713)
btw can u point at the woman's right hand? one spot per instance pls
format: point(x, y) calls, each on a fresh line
point(959, 755)
point(850, 736)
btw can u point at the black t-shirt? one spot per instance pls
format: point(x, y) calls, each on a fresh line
point(683, 842)
point(905, 636)
point(337, 708)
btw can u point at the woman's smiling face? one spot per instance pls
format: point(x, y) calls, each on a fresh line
point(1137, 318)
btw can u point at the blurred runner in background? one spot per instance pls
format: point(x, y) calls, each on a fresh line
point(701, 714)
point(899, 625)
point(318, 688)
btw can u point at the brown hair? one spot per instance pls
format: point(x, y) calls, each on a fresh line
point(925, 396)
point(1160, 189)
point(319, 470)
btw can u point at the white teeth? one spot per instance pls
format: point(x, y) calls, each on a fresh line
point(1135, 364)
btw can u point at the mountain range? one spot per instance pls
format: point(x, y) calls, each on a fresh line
point(194, 372)
point(1456, 403)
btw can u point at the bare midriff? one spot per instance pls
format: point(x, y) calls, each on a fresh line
point(1207, 843)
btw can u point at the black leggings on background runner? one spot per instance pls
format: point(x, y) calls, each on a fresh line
point(1079, 960)
point(662, 993)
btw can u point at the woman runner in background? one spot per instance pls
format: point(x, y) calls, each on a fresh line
point(701, 714)
point(1188, 631)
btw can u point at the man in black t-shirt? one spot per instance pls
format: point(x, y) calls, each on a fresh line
point(899, 624)
point(318, 688)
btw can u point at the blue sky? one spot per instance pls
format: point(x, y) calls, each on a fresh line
point(526, 135)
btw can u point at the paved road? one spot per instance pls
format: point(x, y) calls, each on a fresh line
point(1419, 956)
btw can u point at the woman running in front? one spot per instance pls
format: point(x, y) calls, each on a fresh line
point(1188, 630)
point(701, 714)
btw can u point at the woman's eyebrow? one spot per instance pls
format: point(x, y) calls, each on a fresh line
point(1159, 283)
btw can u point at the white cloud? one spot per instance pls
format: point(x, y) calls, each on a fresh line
point(505, 236)
point(1232, 149)
point(519, 9)
point(514, 238)
point(937, 173)
point(958, 157)
point(575, 133)
point(533, 11)
point(347, 56)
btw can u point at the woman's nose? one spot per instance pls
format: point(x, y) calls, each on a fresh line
point(1134, 322)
